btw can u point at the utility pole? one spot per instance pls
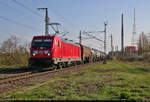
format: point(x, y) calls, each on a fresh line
point(122, 34)
point(105, 24)
point(111, 43)
point(117, 47)
point(80, 37)
point(111, 47)
point(46, 20)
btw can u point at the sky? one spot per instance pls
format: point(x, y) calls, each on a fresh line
point(21, 18)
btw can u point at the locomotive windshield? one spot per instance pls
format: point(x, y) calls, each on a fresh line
point(42, 43)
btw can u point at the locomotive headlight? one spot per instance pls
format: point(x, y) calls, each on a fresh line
point(47, 52)
point(34, 53)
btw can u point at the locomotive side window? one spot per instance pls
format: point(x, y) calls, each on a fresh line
point(57, 43)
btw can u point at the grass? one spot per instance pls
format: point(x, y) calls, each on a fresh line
point(113, 81)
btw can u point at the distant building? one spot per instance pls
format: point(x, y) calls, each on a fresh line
point(131, 50)
point(144, 43)
point(114, 53)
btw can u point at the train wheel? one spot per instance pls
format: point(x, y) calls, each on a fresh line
point(54, 67)
point(61, 66)
point(30, 65)
point(66, 64)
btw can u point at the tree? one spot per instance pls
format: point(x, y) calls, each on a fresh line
point(12, 52)
point(10, 45)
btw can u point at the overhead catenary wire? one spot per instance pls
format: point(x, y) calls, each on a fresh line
point(27, 8)
point(100, 47)
point(94, 44)
point(93, 36)
point(96, 33)
point(60, 16)
point(54, 12)
point(51, 25)
point(8, 6)
point(16, 22)
point(13, 21)
point(92, 41)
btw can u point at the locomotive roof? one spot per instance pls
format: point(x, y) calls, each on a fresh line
point(64, 40)
point(70, 41)
point(43, 36)
point(49, 36)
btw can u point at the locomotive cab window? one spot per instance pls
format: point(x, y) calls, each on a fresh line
point(42, 43)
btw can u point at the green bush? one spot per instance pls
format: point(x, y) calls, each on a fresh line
point(130, 58)
point(14, 58)
point(125, 95)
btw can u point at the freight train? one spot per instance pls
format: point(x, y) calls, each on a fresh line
point(55, 51)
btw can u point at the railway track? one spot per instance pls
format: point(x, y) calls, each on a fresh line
point(18, 74)
point(10, 82)
point(25, 75)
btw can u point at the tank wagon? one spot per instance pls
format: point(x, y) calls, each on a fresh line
point(54, 51)
point(86, 54)
point(97, 55)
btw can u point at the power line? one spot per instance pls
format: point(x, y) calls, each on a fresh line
point(92, 45)
point(96, 34)
point(27, 8)
point(93, 36)
point(63, 28)
point(18, 23)
point(7, 5)
point(13, 21)
point(58, 14)
point(61, 17)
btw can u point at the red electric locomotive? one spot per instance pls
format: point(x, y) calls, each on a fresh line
point(52, 50)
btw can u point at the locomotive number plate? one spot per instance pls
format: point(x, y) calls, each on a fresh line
point(41, 52)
